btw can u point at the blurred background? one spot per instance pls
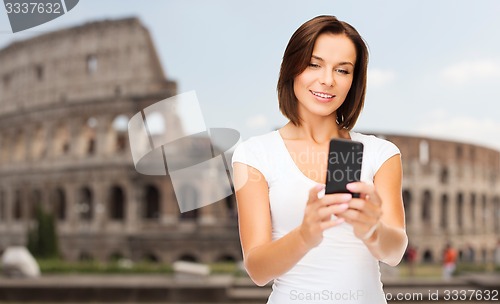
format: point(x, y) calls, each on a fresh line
point(101, 232)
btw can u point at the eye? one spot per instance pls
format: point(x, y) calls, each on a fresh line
point(314, 65)
point(342, 71)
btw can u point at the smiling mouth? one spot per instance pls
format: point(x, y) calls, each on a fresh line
point(322, 95)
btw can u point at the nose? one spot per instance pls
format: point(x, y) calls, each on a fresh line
point(327, 78)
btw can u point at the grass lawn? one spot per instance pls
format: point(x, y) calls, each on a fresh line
point(120, 267)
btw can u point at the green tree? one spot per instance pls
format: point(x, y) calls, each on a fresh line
point(42, 239)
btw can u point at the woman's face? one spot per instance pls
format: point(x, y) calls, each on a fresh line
point(323, 86)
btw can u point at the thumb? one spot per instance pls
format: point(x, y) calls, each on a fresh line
point(314, 192)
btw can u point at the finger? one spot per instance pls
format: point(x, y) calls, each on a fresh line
point(337, 198)
point(313, 193)
point(325, 213)
point(373, 198)
point(360, 187)
point(367, 190)
point(355, 216)
point(365, 206)
point(331, 223)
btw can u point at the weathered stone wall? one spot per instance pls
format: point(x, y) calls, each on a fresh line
point(65, 101)
point(451, 192)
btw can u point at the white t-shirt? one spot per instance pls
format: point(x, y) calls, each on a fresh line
point(340, 269)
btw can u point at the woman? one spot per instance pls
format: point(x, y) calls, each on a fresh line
point(319, 248)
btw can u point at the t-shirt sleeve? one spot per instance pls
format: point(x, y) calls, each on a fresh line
point(249, 153)
point(386, 150)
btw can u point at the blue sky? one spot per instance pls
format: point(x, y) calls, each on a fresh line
point(434, 65)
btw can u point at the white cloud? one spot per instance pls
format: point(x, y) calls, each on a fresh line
point(466, 71)
point(257, 121)
point(379, 77)
point(484, 132)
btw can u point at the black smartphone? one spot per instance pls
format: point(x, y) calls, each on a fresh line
point(344, 165)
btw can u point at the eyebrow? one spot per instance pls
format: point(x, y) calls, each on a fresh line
point(341, 63)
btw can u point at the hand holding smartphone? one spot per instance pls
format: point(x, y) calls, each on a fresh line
point(344, 165)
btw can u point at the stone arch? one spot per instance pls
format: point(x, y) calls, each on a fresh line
point(38, 146)
point(428, 256)
point(152, 200)
point(5, 146)
point(484, 213)
point(91, 63)
point(444, 175)
point(460, 210)
point(407, 197)
point(61, 139)
point(17, 207)
point(472, 154)
point(473, 213)
point(59, 204)
point(19, 152)
point(151, 257)
point(88, 137)
point(118, 90)
point(459, 152)
point(116, 203)
point(226, 258)
point(35, 203)
point(426, 207)
point(444, 211)
point(190, 199)
point(468, 254)
point(116, 256)
point(86, 204)
point(85, 256)
point(230, 202)
point(39, 72)
point(188, 257)
point(118, 135)
point(484, 255)
point(461, 255)
point(424, 154)
point(6, 80)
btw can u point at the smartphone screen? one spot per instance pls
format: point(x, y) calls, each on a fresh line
point(344, 165)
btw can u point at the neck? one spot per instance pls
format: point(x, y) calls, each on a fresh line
point(318, 131)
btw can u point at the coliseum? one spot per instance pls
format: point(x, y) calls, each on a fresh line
point(65, 100)
point(451, 192)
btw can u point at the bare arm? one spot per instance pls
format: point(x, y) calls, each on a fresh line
point(264, 258)
point(381, 208)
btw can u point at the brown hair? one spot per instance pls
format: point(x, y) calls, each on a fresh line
point(297, 57)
